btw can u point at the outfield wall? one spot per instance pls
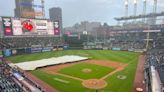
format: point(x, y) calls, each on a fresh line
point(20, 51)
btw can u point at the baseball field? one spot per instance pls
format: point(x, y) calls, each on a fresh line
point(105, 71)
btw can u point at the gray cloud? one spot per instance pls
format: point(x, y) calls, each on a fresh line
point(79, 10)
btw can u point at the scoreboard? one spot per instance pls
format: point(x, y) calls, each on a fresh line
point(23, 26)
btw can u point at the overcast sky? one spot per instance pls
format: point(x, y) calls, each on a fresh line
point(80, 10)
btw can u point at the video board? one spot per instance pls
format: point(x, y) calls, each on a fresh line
point(23, 26)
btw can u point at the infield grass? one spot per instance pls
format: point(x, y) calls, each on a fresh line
point(96, 73)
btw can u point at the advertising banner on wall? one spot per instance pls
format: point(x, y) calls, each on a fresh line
point(7, 26)
point(130, 49)
point(116, 49)
point(47, 49)
point(66, 47)
point(7, 52)
point(21, 51)
point(28, 50)
point(14, 52)
point(33, 50)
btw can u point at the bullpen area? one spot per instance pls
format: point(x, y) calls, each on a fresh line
point(104, 71)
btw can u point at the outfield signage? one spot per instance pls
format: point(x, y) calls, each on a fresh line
point(56, 28)
point(20, 51)
point(17, 27)
point(116, 49)
point(7, 52)
point(33, 50)
point(47, 49)
point(50, 28)
point(41, 24)
point(14, 52)
point(7, 26)
point(131, 50)
point(152, 31)
point(124, 31)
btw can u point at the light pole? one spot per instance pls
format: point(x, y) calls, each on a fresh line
point(144, 9)
point(43, 10)
point(135, 8)
point(126, 9)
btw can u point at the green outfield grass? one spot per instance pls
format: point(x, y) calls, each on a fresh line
point(114, 84)
point(76, 71)
point(119, 56)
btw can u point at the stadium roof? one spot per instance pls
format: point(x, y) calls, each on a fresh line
point(140, 16)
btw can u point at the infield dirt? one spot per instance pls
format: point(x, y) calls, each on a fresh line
point(110, 64)
point(87, 83)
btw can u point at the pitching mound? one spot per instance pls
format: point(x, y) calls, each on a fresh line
point(94, 84)
point(86, 70)
point(122, 77)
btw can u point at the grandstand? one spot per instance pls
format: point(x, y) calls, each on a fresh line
point(154, 71)
point(6, 82)
point(21, 42)
point(12, 80)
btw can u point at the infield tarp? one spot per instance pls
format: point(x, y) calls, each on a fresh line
point(32, 65)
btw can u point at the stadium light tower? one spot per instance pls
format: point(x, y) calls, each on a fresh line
point(144, 8)
point(43, 10)
point(155, 6)
point(154, 11)
point(126, 8)
point(135, 8)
